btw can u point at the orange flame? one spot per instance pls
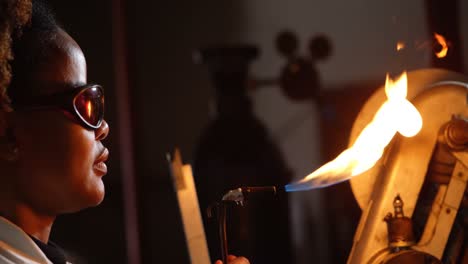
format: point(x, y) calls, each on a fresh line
point(443, 43)
point(396, 114)
point(400, 45)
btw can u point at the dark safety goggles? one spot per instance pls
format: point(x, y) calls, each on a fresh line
point(85, 103)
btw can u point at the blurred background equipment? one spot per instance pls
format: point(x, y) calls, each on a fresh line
point(236, 149)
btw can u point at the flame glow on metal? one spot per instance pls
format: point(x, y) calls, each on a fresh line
point(443, 43)
point(89, 108)
point(396, 114)
point(400, 45)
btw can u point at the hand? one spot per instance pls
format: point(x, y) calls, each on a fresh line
point(234, 260)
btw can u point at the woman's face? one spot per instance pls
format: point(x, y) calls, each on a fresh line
point(60, 163)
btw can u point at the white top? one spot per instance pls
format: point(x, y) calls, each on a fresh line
point(17, 247)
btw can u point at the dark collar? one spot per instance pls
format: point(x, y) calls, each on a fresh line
point(52, 251)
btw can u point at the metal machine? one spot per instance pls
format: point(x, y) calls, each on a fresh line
point(421, 179)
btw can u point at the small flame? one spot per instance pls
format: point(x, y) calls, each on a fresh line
point(89, 108)
point(443, 43)
point(396, 114)
point(400, 45)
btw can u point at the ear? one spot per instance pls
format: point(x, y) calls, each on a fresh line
point(8, 147)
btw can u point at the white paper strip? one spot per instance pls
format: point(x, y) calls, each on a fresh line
point(190, 211)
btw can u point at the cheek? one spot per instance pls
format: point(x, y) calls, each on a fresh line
point(57, 145)
point(57, 158)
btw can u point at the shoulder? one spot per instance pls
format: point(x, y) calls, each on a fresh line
point(17, 247)
point(10, 255)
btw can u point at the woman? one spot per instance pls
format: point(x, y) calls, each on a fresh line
point(51, 130)
point(52, 159)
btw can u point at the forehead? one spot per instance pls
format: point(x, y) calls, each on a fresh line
point(64, 67)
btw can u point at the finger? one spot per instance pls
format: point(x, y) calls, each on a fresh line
point(218, 262)
point(231, 257)
point(240, 260)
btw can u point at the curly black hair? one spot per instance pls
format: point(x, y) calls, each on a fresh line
point(27, 29)
point(14, 14)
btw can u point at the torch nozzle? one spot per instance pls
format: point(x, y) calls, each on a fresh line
point(240, 194)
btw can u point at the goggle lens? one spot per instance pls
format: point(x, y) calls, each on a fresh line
point(89, 105)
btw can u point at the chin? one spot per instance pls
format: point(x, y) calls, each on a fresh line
point(97, 196)
point(88, 198)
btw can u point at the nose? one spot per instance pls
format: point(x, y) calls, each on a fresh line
point(102, 132)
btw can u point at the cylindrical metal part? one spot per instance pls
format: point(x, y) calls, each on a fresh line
point(400, 232)
point(411, 257)
point(456, 133)
point(400, 227)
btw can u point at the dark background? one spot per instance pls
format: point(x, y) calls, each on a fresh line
point(170, 96)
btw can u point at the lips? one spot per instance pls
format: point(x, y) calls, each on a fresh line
point(100, 166)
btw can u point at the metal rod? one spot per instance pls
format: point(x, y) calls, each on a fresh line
point(222, 231)
point(240, 194)
point(237, 197)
